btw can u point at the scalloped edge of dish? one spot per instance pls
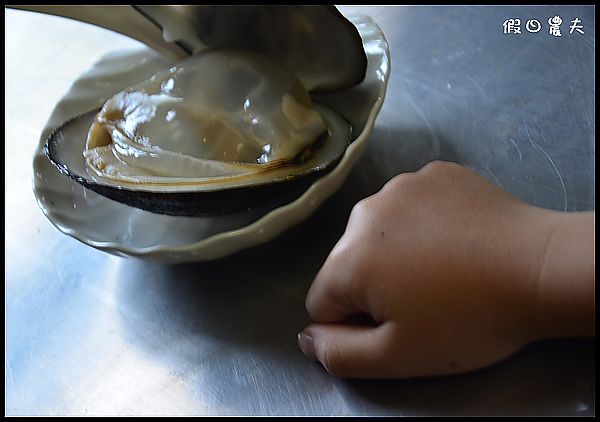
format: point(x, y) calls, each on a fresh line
point(273, 222)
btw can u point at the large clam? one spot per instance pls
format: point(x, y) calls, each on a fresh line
point(229, 127)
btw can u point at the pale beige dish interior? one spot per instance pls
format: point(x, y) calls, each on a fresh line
point(126, 231)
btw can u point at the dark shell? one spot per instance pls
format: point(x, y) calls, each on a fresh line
point(317, 43)
point(64, 149)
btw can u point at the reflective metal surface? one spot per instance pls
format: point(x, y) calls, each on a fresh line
point(89, 333)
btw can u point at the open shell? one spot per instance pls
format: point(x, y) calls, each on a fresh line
point(316, 42)
point(232, 185)
point(66, 143)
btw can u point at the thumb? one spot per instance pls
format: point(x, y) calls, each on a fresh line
point(349, 351)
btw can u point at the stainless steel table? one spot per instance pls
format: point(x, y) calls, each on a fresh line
point(89, 333)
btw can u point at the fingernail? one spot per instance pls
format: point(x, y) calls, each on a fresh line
point(307, 345)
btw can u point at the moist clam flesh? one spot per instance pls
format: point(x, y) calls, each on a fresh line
point(221, 117)
point(228, 123)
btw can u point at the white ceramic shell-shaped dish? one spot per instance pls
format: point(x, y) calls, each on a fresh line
point(122, 230)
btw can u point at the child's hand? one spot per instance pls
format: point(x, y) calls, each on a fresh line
point(448, 266)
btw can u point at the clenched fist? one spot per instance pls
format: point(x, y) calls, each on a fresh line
point(453, 273)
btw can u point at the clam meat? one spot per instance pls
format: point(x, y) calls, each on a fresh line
point(221, 120)
point(218, 117)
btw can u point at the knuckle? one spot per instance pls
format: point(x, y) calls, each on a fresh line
point(435, 165)
point(337, 272)
point(341, 252)
point(361, 212)
point(352, 249)
point(347, 257)
point(363, 206)
point(400, 183)
point(438, 167)
point(400, 190)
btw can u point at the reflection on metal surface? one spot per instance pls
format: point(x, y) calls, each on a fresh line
point(85, 330)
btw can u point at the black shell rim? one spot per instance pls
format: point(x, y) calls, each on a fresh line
point(195, 203)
